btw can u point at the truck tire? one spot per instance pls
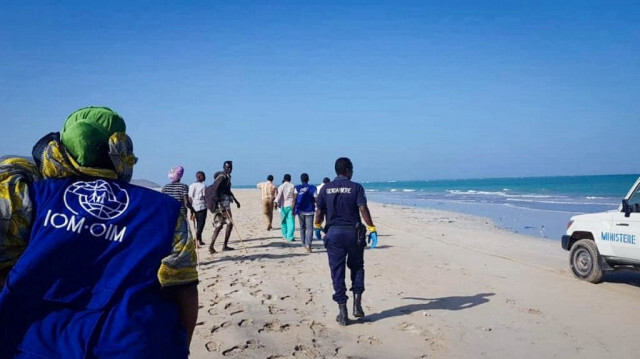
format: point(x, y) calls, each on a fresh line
point(585, 261)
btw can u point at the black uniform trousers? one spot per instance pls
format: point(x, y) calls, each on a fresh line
point(343, 248)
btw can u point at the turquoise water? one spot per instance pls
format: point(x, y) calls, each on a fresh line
point(535, 206)
point(538, 206)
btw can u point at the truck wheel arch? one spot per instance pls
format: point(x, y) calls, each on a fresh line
point(578, 235)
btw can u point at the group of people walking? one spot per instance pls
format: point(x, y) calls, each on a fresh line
point(93, 266)
point(198, 198)
point(341, 201)
point(291, 200)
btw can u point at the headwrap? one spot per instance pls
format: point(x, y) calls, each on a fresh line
point(175, 173)
point(86, 135)
point(92, 143)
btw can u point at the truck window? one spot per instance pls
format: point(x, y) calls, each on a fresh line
point(634, 200)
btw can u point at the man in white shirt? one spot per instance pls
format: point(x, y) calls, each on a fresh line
point(199, 213)
point(286, 201)
point(324, 182)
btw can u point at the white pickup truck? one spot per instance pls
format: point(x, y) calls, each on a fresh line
point(605, 241)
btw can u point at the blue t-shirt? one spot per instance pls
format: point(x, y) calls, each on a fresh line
point(341, 199)
point(306, 201)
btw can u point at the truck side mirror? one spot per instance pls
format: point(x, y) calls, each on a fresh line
point(625, 207)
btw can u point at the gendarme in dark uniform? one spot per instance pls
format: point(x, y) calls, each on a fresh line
point(343, 202)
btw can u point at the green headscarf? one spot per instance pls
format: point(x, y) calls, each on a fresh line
point(86, 135)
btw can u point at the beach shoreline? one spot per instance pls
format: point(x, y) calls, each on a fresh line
point(539, 223)
point(440, 285)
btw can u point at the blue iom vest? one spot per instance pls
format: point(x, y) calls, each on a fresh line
point(86, 285)
point(306, 199)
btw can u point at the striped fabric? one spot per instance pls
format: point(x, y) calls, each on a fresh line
point(177, 190)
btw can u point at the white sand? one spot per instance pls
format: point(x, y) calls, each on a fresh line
point(440, 285)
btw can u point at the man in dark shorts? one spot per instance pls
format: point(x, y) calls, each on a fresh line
point(343, 202)
point(223, 197)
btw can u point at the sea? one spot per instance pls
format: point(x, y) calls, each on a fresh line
point(535, 206)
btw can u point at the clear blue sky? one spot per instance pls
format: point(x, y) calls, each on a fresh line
point(408, 90)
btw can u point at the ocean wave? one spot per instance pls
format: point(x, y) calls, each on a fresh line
point(558, 202)
point(408, 190)
point(495, 193)
point(471, 191)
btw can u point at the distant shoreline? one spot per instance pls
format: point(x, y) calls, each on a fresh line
point(530, 222)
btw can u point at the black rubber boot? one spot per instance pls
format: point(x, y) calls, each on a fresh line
point(343, 316)
point(357, 306)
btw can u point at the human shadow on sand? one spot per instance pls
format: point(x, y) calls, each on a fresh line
point(281, 243)
point(444, 303)
point(384, 246)
point(251, 257)
point(257, 239)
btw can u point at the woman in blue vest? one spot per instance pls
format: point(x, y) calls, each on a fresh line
point(92, 266)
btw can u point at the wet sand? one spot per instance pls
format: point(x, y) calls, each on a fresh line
point(440, 285)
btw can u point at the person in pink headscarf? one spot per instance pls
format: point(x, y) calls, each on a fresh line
point(178, 190)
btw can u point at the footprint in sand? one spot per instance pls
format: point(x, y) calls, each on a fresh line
point(274, 310)
point(212, 278)
point(212, 346)
point(371, 340)
point(435, 340)
point(274, 326)
point(318, 329)
point(301, 349)
point(236, 349)
point(534, 311)
point(232, 292)
point(310, 300)
point(245, 322)
point(221, 326)
point(410, 328)
point(254, 285)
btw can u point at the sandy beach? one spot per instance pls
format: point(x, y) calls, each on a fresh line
point(440, 285)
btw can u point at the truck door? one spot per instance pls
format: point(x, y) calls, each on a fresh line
point(625, 231)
